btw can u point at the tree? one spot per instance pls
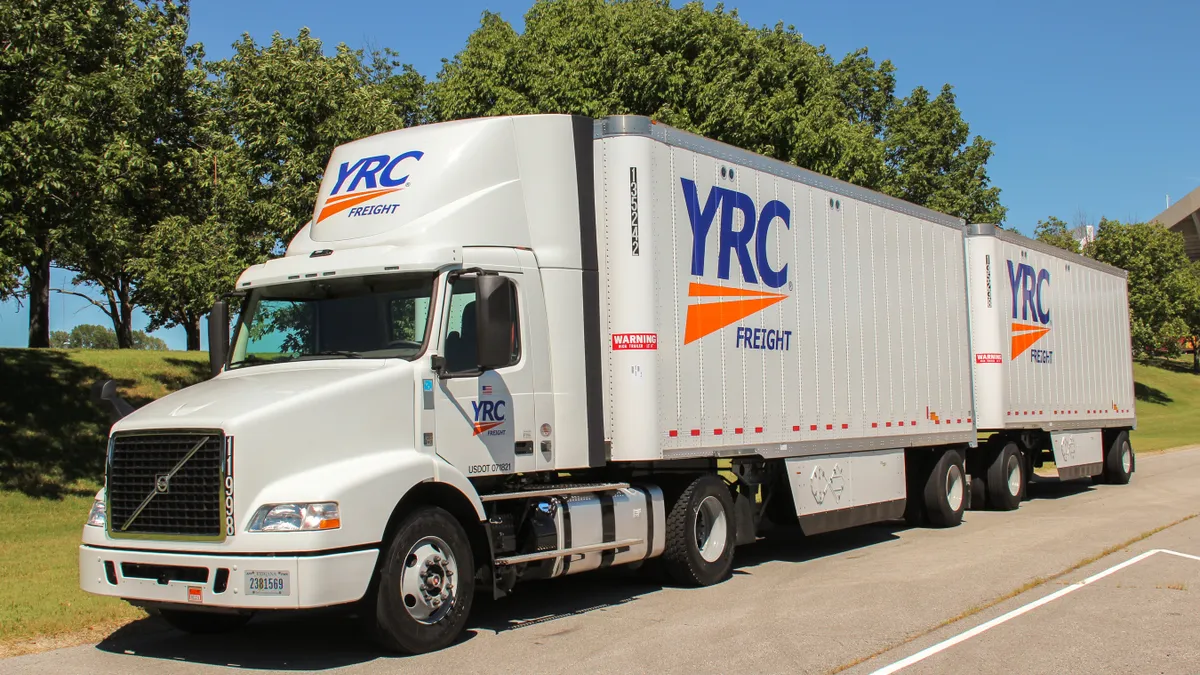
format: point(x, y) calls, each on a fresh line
point(766, 90)
point(288, 104)
point(1192, 317)
point(147, 116)
point(185, 267)
point(90, 336)
point(1162, 286)
point(1055, 232)
point(54, 55)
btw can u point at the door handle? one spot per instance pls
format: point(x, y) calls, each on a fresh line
point(524, 448)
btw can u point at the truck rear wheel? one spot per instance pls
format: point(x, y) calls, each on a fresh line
point(203, 623)
point(1006, 478)
point(700, 534)
point(1119, 460)
point(946, 490)
point(425, 586)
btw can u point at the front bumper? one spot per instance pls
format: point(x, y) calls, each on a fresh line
point(314, 580)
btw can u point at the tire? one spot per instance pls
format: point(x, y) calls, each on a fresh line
point(429, 560)
point(1119, 461)
point(1006, 478)
point(945, 490)
point(203, 623)
point(701, 532)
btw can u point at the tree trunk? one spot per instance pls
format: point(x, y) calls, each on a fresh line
point(125, 325)
point(192, 328)
point(1196, 355)
point(39, 297)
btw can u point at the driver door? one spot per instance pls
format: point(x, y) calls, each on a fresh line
point(484, 421)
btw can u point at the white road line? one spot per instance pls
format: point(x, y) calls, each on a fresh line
point(946, 644)
point(1181, 555)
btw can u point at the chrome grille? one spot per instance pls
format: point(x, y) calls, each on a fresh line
point(187, 502)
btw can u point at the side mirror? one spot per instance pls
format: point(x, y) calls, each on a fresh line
point(218, 336)
point(104, 394)
point(495, 320)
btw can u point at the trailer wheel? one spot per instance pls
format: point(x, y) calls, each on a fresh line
point(1006, 478)
point(1119, 461)
point(425, 586)
point(700, 534)
point(945, 490)
point(203, 623)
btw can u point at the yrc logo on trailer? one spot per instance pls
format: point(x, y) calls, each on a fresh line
point(748, 246)
point(1032, 322)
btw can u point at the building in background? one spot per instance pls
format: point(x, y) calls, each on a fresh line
point(1084, 234)
point(1184, 217)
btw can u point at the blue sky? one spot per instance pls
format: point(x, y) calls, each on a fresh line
point(1092, 106)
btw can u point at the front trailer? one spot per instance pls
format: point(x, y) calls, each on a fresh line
point(519, 348)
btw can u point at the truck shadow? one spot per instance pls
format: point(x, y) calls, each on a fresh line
point(333, 638)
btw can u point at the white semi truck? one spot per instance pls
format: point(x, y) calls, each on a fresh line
point(522, 347)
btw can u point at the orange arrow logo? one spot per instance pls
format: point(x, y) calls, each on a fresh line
point(732, 304)
point(342, 202)
point(481, 427)
point(1024, 335)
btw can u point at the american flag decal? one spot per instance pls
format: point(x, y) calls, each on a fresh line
point(487, 390)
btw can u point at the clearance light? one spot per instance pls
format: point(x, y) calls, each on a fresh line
point(297, 517)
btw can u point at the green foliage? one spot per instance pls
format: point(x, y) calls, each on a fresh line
point(1163, 292)
point(288, 104)
point(1056, 233)
point(56, 58)
point(90, 336)
point(766, 90)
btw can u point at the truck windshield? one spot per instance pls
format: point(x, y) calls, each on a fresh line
point(374, 317)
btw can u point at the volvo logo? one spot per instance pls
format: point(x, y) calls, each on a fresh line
point(162, 483)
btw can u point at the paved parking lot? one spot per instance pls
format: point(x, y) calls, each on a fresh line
point(855, 601)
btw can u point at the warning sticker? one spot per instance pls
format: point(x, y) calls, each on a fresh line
point(989, 358)
point(622, 341)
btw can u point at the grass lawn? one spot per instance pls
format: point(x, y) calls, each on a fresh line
point(39, 551)
point(52, 442)
point(1168, 405)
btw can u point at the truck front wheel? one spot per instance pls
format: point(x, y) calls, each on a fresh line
point(700, 534)
point(426, 584)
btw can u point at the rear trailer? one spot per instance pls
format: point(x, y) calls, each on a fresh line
point(1052, 364)
point(635, 346)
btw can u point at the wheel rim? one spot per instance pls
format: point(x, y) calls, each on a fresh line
point(1014, 475)
point(427, 580)
point(1126, 457)
point(954, 487)
point(712, 530)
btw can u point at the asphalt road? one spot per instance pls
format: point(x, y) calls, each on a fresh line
point(860, 600)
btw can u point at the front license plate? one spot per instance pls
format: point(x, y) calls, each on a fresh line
point(267, 583)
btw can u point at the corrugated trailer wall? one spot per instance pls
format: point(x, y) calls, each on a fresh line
point(1062, 325)
point(792, 314)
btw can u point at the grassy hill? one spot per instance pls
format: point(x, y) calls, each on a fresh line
point(1168, 400)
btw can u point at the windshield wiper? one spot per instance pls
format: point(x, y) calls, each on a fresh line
point(338, 352)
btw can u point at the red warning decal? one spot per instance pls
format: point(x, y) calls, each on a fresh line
point(622, 341)
point(989, 358)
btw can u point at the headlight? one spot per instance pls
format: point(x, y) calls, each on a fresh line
point(296, 517)
point(98, 515)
